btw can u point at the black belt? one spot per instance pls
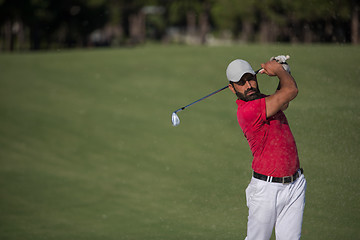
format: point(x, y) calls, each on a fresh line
point(288, 179)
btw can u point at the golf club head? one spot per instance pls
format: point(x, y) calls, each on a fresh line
point(175, 119)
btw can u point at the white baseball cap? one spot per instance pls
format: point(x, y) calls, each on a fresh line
point(237, 68)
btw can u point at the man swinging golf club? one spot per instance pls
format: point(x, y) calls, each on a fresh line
point(276, 194)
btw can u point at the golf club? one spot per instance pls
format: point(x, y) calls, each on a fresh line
point(175, 118)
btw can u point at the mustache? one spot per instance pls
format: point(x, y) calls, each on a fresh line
point(251, 89)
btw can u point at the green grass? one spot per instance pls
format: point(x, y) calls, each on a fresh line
point(87, 150)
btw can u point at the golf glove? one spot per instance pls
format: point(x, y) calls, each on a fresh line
point(282, 60)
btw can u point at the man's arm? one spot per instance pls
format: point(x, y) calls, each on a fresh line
point(286, 105)
point(286, 92)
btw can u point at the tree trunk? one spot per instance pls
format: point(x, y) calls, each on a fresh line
point(204, 27)
point(329, 31)
point(247, 31)
point(21, 36)
point(308, 35)
point(34, 37)
point(268, 31)
point(191, 36)
point(292, 31)
point(137, 28)
point(7, 35)
point(355, 24)
point(191, 24)
point(264, 26)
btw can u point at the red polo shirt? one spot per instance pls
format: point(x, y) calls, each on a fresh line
point(271, 141)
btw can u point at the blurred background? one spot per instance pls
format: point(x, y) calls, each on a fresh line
point(45, 24)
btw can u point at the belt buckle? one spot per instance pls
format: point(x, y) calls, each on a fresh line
point(291, 179)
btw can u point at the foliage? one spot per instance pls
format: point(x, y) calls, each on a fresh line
point(70, 23)
point(227, 13)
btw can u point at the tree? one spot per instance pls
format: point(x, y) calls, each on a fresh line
point(237, 17)
point(195, 15)
point(322, 20)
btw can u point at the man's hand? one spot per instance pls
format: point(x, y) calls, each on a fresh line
point(272, 68)
point(282, 60)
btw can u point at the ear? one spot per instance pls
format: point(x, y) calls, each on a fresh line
point(232, 88)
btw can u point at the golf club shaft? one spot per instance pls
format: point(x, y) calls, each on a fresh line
point(180, 109)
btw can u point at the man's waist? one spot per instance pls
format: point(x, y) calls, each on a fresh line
point(276, 166)
point(286, 179)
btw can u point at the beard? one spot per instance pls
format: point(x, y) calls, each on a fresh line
point(246, 97)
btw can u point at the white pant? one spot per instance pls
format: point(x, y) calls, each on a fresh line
point(275, 204)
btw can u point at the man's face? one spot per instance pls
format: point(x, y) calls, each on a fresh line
point(247, 88)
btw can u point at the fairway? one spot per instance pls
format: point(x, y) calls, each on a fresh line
point(88, 151)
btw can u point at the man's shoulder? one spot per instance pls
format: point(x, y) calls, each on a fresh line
point(256, 106)
point(242, 103)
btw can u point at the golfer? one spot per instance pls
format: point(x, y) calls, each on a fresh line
point(276, 194)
